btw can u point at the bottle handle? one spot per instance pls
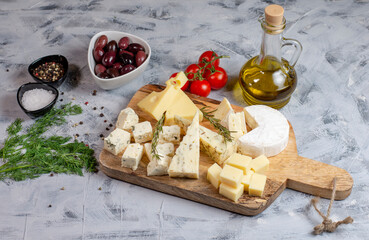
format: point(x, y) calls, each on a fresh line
point(298, 49)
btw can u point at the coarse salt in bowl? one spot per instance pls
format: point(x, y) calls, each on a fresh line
point(36, 99)
point(112, 83)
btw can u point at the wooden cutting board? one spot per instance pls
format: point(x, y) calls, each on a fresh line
point(287, 169)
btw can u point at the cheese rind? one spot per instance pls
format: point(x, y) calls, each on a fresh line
point(132, 156)
point(126, 119)
point(142, 132)
point(213, 175)
point(117, 141)
point(186, 160)
point(270, 132)
point(239, 161)
point(259, 164)
point(231, 176)
point(170, 134)
point(257, 184)
point(214, 146)
point(233, 193)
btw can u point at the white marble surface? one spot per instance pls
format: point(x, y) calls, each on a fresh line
point(329, 112)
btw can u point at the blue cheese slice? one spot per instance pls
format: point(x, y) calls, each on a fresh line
point(132, 156)
point(186, 160)
point(117, 141)
point(126, 119)
point(159, 167)
point(214, 146)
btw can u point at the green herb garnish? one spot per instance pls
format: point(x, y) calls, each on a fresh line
point(208, 115)
point(155, 138)
point(30, 154)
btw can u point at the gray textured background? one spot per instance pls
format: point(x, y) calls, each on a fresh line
point(328, 111)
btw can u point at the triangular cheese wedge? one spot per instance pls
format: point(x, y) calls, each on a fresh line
point(186, 160)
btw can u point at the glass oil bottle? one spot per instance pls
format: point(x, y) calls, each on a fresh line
point(269, 79)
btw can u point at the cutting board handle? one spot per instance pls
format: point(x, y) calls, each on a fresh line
point(316, 178)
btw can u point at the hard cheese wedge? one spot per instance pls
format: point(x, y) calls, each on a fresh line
point(173, 100)
point(178, 81)
point(186, 160)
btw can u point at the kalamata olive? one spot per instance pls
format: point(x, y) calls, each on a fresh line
point(126, 59)
point(140, 58)
point(127, 69)
point(98, 53)
point(123, 43)
point(103, 75)
point(101, 41)
point(113, 72)
point(118, 65)
point(124, 51)
point(135, 47)
point(108, 59)
point(99, 68)
point(112, 46)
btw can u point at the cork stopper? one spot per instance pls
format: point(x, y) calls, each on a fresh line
point(274, 14)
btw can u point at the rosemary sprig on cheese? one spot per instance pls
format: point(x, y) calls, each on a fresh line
point(155, 139)
point(208, 115)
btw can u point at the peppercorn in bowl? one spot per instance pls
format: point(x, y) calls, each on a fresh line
point(51, 70)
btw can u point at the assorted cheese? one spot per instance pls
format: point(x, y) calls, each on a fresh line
point(242, 172)
point(269, 135)
point(186, 160)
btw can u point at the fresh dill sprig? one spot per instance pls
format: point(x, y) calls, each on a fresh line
point(154, 142)
point(30, 154)
point(208, 115)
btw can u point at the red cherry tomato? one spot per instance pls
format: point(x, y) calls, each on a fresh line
point(192, 69)
point(187, 84)
point(201, 88)
point(217, 79)
point(208, 56)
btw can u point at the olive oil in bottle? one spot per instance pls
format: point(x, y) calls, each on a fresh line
point(269, 79)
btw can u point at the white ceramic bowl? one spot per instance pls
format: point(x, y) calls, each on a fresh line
point(116, 82)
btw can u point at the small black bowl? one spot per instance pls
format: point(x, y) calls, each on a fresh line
point(52, 58)
point(29, 86)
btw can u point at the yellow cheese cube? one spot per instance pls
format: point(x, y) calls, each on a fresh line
point(246, 180)
point(231, 192)
point(213, 175)
point(260, 164)
point(257, 184)
point(239, 161)
point(231, 176)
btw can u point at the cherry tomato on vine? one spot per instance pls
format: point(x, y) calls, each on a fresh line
point(201, 88)
point(217, 79)
point(187, 84)
point(193, 69)
point(208, 56)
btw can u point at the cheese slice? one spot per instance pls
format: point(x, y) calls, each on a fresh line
point(214, 146)
point(234, 126)
point(186, 160)
point(269, 134)
point(222, 111)
point(233, 193)
point(178, 81)
point(183, 123)
point(159, 167)
point(213, 175)
point(260, 164)
point(257, 184)
point(231, 176)
point(240, 161)
point(173, 100)
point(241, 116)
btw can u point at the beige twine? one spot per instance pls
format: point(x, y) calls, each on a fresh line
point(327, 225)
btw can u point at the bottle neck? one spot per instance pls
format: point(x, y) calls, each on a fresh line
point(271, 45)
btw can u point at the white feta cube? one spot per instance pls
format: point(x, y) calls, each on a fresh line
point(132, 156)
point(170, 134)
point(142, 132)
point(117, 141)
point(159, 167)
point(126, 119)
